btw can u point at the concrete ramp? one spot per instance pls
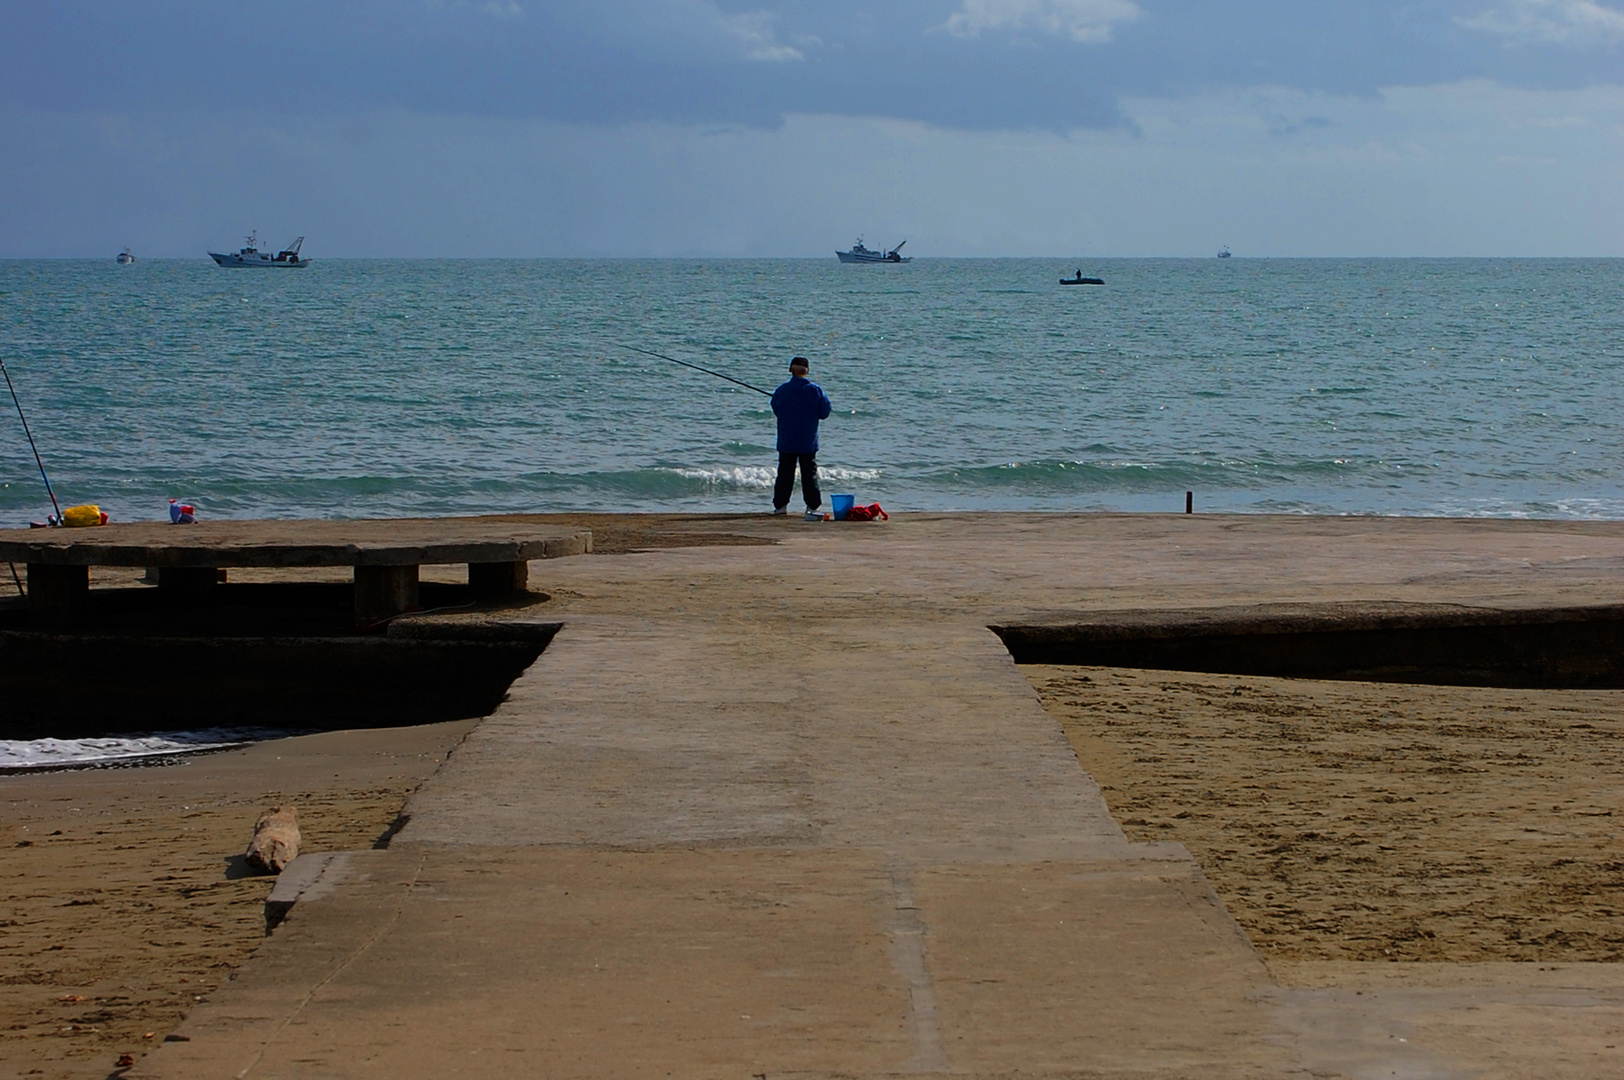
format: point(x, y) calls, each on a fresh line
point(815, 847)
point(920, 741)
point(790, 810)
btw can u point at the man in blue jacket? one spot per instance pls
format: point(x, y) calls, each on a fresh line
point(799, 404)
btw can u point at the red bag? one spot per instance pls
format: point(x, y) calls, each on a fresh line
point(871, 512)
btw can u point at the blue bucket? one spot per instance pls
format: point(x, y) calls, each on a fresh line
point(841, 504)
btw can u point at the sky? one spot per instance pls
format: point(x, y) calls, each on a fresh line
point(788, 128)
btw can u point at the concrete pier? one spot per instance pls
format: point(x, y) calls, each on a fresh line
point(385, 556)
point(791, 810)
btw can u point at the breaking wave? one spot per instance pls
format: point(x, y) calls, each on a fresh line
point(35, 755)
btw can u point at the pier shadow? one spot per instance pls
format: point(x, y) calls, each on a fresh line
point(1442, 644)
point(259, 655)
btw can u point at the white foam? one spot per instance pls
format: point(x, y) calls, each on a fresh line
point(749, 476)
point(756, 476)
point(1594, 509)
point(839, 473)
point(26, 754)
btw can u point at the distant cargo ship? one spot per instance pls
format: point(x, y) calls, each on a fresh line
point(861, 254)
point(252, 256)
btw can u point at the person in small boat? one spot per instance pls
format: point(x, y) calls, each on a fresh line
point(799, 403)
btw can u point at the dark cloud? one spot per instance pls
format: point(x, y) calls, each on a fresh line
point(721, 61)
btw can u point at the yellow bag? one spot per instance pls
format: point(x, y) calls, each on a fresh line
point(79, 516)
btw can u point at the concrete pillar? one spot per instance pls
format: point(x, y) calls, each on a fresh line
point(496, 579)
point(382, 592)
point(58, 596)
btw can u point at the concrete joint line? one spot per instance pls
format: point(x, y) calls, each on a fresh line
point(908, 957)
point(387, 925)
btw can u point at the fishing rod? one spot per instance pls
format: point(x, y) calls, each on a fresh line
point(30, 435)
point(696, 367)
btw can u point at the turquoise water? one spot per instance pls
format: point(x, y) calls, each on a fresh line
point(371, 388)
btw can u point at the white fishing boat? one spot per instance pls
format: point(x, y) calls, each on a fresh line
point(250, 255)
point(125, 257)
point(861, 254)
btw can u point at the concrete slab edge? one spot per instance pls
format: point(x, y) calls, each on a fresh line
point(306, 877)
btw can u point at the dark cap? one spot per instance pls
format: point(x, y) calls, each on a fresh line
point(799, 361)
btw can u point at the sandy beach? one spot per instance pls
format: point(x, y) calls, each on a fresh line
point(123, 894)
point(1368, 821)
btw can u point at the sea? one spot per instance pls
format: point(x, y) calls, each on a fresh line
point(378, 388)
point(373, 388)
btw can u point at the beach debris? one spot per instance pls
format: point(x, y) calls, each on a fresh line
point(181, 513)
point(125, 1061)
point(276, 840)
point(871, 512)
point(82, 516)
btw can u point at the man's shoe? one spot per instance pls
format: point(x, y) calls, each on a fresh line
point(780, 511)
point(814, 515)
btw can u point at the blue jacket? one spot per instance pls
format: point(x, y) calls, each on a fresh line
point(799, 404)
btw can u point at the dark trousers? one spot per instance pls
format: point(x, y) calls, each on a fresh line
point(786, 480)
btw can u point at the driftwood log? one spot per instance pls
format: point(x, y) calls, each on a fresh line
point(276, 840)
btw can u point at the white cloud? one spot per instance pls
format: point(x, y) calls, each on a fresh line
point(1550, 22)
point(1081, 20)
point(755, 30)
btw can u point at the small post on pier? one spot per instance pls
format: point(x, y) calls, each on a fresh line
point(1189, 502)
point(487, 580)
